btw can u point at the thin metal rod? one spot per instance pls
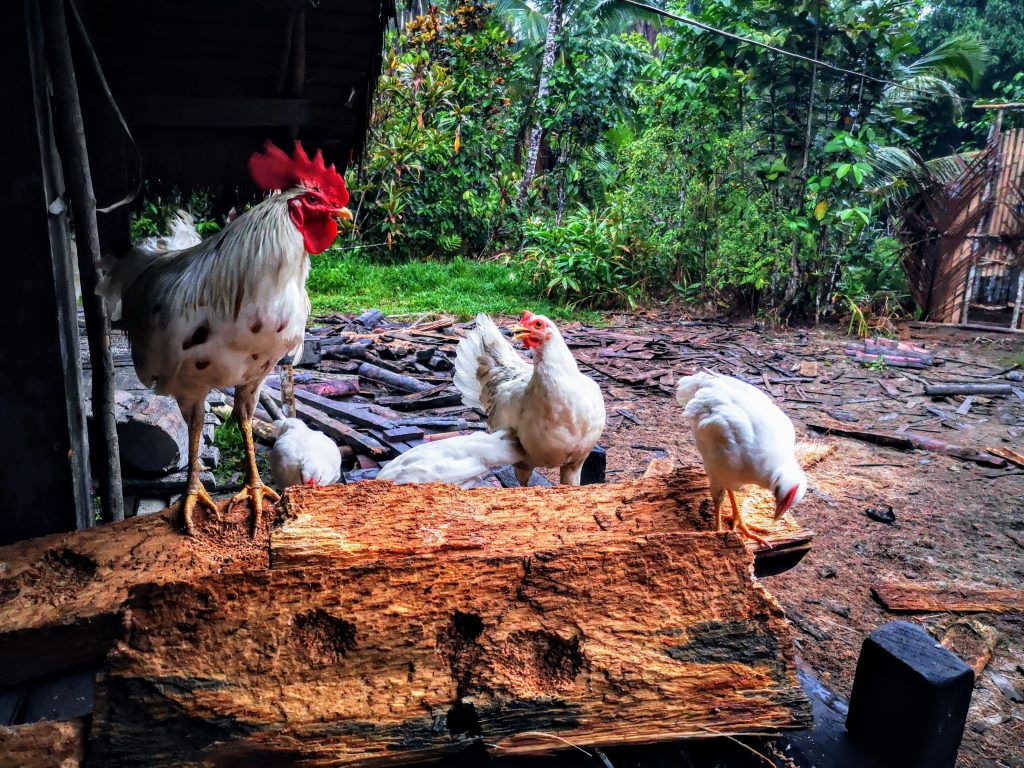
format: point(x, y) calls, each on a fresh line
point(75, 161)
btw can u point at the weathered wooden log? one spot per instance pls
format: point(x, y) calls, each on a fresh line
point(907, 441)
point(152, 435)
point(343, 386)
point(345, 351)
point(906, 597)
point(395, 380)
point(374, 519)
point(60, 594)
point(967, 388)
point(54, 744)
point(384, 663)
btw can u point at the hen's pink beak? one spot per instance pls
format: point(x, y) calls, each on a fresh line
point(781, 507)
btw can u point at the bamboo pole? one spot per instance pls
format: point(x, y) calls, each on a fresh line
point(75, 160)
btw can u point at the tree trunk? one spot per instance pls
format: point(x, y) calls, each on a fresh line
point(626, 640)
point(540, 103)
point(75, 162)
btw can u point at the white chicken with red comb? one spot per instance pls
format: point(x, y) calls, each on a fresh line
point(744, 439)
point(557, 412)
point(223, 312)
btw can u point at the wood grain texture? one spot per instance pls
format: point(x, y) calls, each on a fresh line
point(906, 597)
point(41, 745)
point(387, 661)
point(363, 521)
point(60, 594)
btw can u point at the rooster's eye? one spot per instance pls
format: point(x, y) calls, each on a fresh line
point(538, 325)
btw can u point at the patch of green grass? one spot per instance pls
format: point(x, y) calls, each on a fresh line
point(461, 287)
point(228, 438)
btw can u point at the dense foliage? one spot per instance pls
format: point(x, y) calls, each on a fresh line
point(672, 162)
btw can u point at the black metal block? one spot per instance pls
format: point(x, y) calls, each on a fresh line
point(910, 698)
point(594, 467)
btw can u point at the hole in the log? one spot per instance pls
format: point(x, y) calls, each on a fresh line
point(463, 721)
point(324, 639)
point(551, 660)
point(467, 625)
point(69, 566)
point(9, 590)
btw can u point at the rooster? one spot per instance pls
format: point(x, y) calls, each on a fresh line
point(744, 439)
point(224, 311)
point(557, 413)
point(303, 456)
point(460, 460)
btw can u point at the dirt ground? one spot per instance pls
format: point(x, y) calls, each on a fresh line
point(956, 522)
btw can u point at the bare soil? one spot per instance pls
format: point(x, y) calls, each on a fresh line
point(955, 523)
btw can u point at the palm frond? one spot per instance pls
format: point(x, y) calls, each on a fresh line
point(962, 57)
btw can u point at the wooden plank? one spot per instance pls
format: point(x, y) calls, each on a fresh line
point(54, 744)
point(911, 597)
point(625, 641)
point(59, 595)
point(360, 416)
point(368, 520)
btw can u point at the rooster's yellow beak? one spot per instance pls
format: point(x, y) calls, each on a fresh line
point(344, 214)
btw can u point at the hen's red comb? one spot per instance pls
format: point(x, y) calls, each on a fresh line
point(527, 317)
point(273, 169)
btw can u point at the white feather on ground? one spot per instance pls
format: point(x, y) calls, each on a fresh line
point(460, 460)
point(303, 456)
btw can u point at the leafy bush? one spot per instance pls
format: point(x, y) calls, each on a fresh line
point(593, 258)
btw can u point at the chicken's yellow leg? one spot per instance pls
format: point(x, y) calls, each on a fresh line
point(739, 525)
point(254, 489)
point(195, 493)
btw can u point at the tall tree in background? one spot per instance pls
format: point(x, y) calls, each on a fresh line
point(540, 102)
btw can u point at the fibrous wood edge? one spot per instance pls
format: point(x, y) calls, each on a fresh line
point(41, 745)
point(383, 663)
point(366, 520)
point(908, 598)
point(60, 594)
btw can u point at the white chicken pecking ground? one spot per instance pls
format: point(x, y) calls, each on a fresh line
point(744, 439)
point(557, 412)
point(303, 456)
point(461, 460)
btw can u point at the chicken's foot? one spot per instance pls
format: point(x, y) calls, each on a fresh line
point(195, 493)
point(254, 490)
point(739, 524)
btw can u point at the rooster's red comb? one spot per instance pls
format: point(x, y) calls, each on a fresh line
point(273, 169)
point(527, 317)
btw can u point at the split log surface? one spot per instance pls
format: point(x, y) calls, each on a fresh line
point(60, 594)
point(389, 661)
point(55, 744)
point(367, 520)
point(905, 597)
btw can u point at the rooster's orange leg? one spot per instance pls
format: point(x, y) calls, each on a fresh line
point(195, 493)
point(740, 525)
point(254, 490)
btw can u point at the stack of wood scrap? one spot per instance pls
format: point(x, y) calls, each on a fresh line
point(384, 624)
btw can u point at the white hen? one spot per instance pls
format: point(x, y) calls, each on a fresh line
point(744, 439)
point(460, 460)
point(556, 411)
point(303, 456)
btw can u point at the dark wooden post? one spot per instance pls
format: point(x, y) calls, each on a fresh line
point(44, 482)
point(71, 142)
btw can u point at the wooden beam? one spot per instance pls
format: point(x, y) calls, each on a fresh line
point(383, 663)
point(905, 597)
point(197, 112)
point(368, 520)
